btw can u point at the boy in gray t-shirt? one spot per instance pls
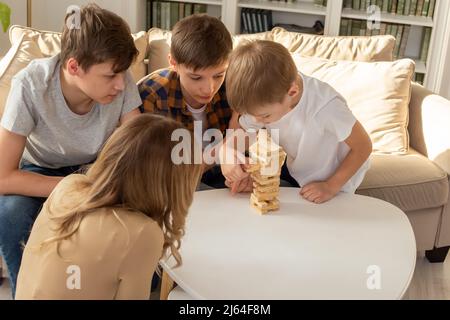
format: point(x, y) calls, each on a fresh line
point(59, 113)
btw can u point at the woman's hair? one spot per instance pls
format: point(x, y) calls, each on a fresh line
point(134, 171)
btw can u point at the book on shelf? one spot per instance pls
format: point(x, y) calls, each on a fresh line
point(419, 7)
point(404, 41)
point(165, 14)
point(407, 8)
point(187, 9)
point(419, 78)
point(385, 6)
point(356, 26)
point(174, 14)
point(343, 27)
point(322, 3)
point(349, 3)
point(150, 15)
point(413, 8)
point(400, 7)
point(426, 38)
point(398, 41)
point(401, 33)
point(255, 20)
point(424, 8)
point(431, 8)
point(394, 5)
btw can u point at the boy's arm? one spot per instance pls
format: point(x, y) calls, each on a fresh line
point(360, 149)
point(15, 181)
point(132, 100)
point(233, 124)
point(130, 115)
point(232, 157)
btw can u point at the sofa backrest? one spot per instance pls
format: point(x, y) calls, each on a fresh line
point(49, 42)
point(368, 49)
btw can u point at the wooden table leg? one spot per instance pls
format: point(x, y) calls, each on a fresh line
point(166, 286)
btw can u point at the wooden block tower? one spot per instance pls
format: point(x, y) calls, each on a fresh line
point(266, 160)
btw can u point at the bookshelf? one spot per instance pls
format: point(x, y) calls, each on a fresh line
point(306, 12)
point(302, 7)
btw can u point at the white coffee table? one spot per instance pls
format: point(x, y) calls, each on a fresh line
point(303, 251)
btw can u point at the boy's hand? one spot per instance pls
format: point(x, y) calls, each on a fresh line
point(319, 192)
point(233, 166)
point(243, 186)
point(234, 172)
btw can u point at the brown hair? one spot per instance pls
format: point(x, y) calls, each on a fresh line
point(103, 36)
point(260, 72)
point(200, 41)
point(134, 171)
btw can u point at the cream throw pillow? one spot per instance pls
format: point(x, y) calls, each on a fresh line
point(49, 43)
point(378, 94)
point(376, 48)
point(18, 57)
point(159, 41)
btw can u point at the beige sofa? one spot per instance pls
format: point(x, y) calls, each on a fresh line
point(416, 180)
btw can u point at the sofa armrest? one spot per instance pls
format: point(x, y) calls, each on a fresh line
point(429, 125)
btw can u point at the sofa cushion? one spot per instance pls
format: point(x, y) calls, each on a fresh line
point(411, 182)
point(18, 57)
point(378, 94)
point(49, 43)
point(376, 48)
point(159, 46)
point(158, 49)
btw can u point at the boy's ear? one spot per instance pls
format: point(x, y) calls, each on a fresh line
point(72, 66)
point(296, 87)
point(172, 61)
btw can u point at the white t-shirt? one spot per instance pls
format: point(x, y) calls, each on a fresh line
point(313, 134)
point(200, 116)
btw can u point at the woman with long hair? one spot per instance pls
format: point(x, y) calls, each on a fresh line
point(101, 234)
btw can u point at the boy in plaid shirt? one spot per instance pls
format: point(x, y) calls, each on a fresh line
point(192, 88)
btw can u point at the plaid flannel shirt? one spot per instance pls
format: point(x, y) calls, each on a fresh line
point(161, 94)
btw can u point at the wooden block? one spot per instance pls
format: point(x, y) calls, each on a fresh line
point(269, 181)
point(264, 196)
point(264, 206)
point(269, 188)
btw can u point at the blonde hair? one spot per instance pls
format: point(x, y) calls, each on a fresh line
point(134, 171)
point(260, 72)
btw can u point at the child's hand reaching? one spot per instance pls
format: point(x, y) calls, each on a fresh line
point(319, 192)
point(233, 165)
point(245, 185)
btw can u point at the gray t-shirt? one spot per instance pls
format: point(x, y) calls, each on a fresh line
point(56, 136)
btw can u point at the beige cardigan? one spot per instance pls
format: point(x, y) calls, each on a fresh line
point(113, 255)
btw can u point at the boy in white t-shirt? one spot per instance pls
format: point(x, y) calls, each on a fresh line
point(327, 148)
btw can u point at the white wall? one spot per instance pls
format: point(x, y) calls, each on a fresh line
point(18, 16)
point(49, 14)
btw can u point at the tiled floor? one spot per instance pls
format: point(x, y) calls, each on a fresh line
point(430, 281)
